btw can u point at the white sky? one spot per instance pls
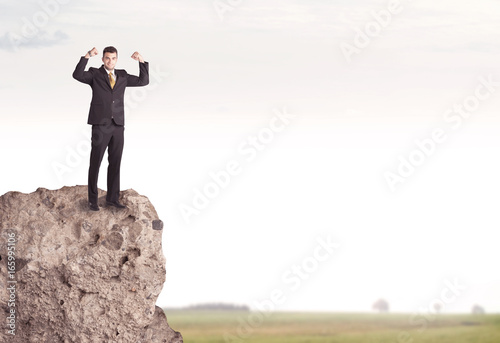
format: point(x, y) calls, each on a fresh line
point(216, 82)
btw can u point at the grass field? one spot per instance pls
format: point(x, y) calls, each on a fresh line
point(211, 326)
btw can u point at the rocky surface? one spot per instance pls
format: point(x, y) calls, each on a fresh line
point(81, 276)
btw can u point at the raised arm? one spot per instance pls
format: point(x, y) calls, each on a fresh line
point(143, 78)
point(80, 74)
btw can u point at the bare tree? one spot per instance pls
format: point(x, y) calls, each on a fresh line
point(476, 309)
point(437, 307)
point(381, 305)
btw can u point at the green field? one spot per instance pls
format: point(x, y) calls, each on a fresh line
point(211, 326)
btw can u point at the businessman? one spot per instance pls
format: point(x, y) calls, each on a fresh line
point(107, 117)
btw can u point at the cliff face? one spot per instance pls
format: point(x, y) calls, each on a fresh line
point(72, 275)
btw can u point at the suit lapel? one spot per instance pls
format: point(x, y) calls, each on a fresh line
point(117, 77)
point(105, 75)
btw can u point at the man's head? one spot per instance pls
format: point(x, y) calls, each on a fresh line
point(109, 57)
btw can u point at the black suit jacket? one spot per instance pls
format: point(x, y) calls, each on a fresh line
point(108, 103)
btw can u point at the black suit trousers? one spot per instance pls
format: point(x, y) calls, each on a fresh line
point(109, 136)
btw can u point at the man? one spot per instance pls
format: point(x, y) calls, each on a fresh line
point(107, 117)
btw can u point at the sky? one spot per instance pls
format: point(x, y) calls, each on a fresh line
point(308, 155)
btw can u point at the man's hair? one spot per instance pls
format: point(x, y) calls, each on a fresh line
point(110, 49)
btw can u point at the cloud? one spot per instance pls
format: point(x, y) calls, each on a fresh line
point(12, 41)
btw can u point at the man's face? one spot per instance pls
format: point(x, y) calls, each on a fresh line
point(109, 59)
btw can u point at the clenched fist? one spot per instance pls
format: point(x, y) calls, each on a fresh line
point(91, 53)
point(137, 56)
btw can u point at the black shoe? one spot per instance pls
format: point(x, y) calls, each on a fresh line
point(93, 207)
point(115, 204)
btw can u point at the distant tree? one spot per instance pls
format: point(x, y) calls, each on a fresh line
point(381, 305)
point(476, 309)
point(437, 307)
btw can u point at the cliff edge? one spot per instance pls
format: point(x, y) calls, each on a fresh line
point(71, 275)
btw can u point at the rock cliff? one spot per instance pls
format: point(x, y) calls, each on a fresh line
point(71, 275)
